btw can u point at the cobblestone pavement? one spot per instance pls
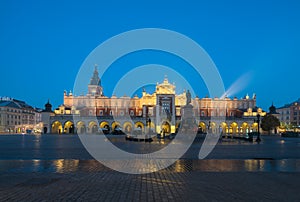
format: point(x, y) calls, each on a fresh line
point(58, 168)
point(186, 180)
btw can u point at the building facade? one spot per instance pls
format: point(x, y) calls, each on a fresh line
point(289, 114)
point(18, 117)
point(159, 111)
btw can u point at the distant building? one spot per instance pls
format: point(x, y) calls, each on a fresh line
point(289, 114)
point(18, 117)
point(45, 116)
point(159, 111)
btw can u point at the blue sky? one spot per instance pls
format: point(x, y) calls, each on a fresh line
point(44, 43)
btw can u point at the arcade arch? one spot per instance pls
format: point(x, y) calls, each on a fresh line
point(80, 127)
point(69, 127)
point(56, 127)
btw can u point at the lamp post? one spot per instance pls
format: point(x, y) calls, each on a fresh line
point(149, 124)
point(258, 132)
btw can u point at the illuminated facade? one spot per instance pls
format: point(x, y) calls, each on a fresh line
point(18, 117)
point(160, 111)
point(289, 114)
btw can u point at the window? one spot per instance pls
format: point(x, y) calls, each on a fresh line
point(90, 112)
point(202, 113)
point(111, 113)
point(131, 113)
point(121, 113)
point(101, 113)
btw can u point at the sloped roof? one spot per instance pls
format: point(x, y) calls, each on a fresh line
point(13, 103)
point(9, 104)
point(290, 104)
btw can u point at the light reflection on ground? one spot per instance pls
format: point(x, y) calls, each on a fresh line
point(209, 165)
point(65, 153)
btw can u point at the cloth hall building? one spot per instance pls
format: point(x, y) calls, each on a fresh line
point(159, 111)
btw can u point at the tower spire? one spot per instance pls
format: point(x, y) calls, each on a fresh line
point(94, 87)
point(95, 80)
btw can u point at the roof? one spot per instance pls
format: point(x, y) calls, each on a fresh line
point(9, 104)
point(13, 103)
point(290, 104)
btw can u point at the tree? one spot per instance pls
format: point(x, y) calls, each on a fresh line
point(269, 122)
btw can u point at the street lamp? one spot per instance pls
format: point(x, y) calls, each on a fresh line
point(258, 133)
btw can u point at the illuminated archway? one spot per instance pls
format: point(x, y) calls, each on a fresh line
point(213, 127)
point(234, 128)
point(224, 128)
point(245, 128)
point(166, 127)
point(254, 127)
point(93, 127)
point(115, 125)
point(80, 127)
point(69, 127)
point(104, 124)
point(202, 127)
point(127, 127)
point(139, 125)
point(57, 127)
point(104, 127)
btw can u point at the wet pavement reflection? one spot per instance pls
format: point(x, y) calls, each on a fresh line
point(65, 153)
point(208, 165)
